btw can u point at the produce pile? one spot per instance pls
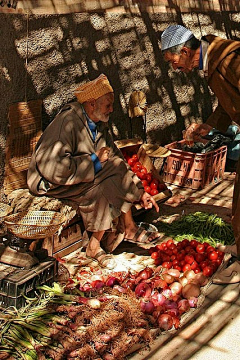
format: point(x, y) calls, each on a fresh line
point(151, 185)
point(102, 315)
point(64, 325)
point(201, 226)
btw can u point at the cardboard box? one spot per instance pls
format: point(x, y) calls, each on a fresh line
point(135, 146)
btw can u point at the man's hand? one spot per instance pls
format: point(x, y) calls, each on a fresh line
point(196, 131)
point(147, 202)
point(103, 154)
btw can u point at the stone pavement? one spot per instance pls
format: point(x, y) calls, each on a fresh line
point(213, 330)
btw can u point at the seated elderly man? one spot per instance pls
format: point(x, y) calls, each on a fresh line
point(76, 159)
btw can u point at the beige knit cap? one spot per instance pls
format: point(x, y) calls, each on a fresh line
point(93, 89)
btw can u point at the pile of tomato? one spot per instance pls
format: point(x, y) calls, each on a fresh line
point(151, 185)
point(187, 255)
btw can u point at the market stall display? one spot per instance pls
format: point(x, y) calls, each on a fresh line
point(103, 314)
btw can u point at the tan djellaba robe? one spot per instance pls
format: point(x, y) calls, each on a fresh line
point(224, 80)
point(61, 167)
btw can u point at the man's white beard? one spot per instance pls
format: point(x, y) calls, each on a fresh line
point(101, 117)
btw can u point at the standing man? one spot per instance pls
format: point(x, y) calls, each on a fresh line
point(76, 159)
point(220, 61)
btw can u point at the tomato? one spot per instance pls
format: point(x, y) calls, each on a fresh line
point(149, 177)
point(153, 185)
point(199, 257)
point(213, 255)
point(210, 249)
point(157, 261)
point(147, 189)
point(180, 256)
point(154, 192)
point(177, 267)
point(144, 182)
point(164, 245)
point(188, 248)
point(167, 264)
point(131, 162)
point(144, 170)
point(186, 267)
point(175, 262)
point(217, 262)
point(194, 265)
point(220, 254)
point(197, 270)
point(200, 248)
point(194, 243)
point(172, 246)
point(203, 264)
point(189, 259)
point(159, 247)
point(185, 243)
point(141, 175)
point(137, 166)
point(208, 271)
point(155, 255)
point(135, 157)
point(169, 242)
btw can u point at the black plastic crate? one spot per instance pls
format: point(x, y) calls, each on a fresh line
point(16, 283)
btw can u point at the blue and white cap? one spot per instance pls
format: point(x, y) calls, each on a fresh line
point(175, 35)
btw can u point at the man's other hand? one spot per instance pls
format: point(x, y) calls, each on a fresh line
point(103, 154)
point(147, 202)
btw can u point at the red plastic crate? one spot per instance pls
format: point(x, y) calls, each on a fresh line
point(186, 169)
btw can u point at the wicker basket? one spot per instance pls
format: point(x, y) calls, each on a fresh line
point(34, 224)
point(4, 210)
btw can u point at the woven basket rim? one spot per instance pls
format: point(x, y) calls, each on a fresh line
point(55, 215)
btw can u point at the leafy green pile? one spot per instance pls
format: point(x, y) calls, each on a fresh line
point(200, 226)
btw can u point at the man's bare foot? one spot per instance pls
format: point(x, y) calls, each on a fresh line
point(140, 235)
point(95, 252)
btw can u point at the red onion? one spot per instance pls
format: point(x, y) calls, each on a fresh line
point(145, 273)
point(147, 306)
point(170, 304)
point(173, 272)
point(176, 288)
point(183, 306)
point(111, 281)
point(143, 290)
point(86, 287)
point(130, 284)
point(158, 311)
point(193, 302)
point(119, 288)
point(172, 312)
point(159, 284)
point(168, 278)
point(165, 322)
point(200, 279)
point(167, 293)
point(97, 284)
point(158, 299)
point(191, 290)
